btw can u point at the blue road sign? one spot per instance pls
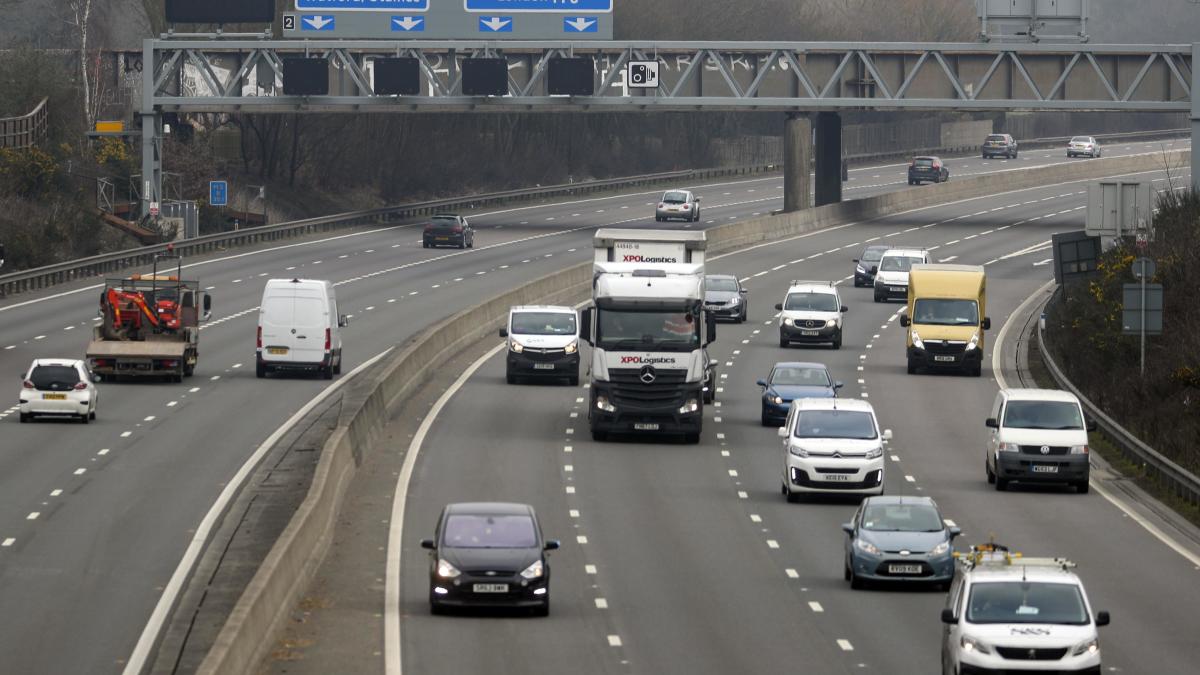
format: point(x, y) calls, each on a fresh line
point(364, 5)
point(408, 24)
point(218, 193)
point(581, 24)
point(495, 24)
point(587, 6)
point(320, 22)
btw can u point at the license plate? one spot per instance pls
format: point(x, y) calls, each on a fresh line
point(1045, 468)
point(898, 289)
point(904, 569)
point(837, 476)
point(543, 366)
point(948, 359)
point(443, 238)
point(277, 350)
point(491, 588)
point(810, 333)
point(54, 397)
point(646, 426)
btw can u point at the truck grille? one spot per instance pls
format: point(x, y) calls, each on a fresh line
point(628, 389)
point(944, 347)
point(1039, 654)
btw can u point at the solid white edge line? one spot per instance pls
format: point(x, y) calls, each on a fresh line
point(1136, 517)
point(162, 610)
point(391, 615)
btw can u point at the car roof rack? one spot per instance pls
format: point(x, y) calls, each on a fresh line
point(992, 555)
point(811, 282)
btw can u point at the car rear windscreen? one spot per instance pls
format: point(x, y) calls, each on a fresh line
point(675, 197)
point(489, 531)
point(54, 377)
point(996, 138)
point(923, 162)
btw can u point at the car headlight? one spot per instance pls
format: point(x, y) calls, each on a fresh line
point(831, 323)
point(515, 346)
point(941, 549)
point(776, 400)
point(1079, 450)
point(797, 451)
point(859, 269)
point(866, 546)
point(1086, 647)
point(787, 322)
point(571, 348)
point(916, 339)
point(691, 406)
point(445, 570)
point(875, 453)
point(534, 571)
point(603, 404)
point(973, 343)
point(1008, 447)
point(970, 644)
point(735, 301)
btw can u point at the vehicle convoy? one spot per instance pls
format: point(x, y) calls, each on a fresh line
point(299, 328)
point(811, 313)
point(646, 323)
point(899, 539)
point(999, 145)
point(1006, 613)
point(1038, 436)
point(543, 341)
point(58, 388)
point(946, 318)
point(832, 445)
point(891, 274)
point(150, 325)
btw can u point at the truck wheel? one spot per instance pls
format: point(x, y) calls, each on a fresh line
point(977, 371)
point(177, 377)
point(189, 370)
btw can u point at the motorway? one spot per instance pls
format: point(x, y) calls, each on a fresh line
point(94, 519)
point(686, 559)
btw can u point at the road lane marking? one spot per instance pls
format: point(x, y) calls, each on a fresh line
point(582, 539)
point(771, 543)
point(589, 569)
point(792, 573)
point(601, 603)
point(815, 606)
point(33, 516)
point(614, 640)
point(845, 645)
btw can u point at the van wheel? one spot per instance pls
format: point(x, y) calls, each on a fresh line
point(912, 367)
point(1001, 484)
point(510, 378)
point(260, 371)
point(84, 418)
point(573, 380)
point(991, 477)
point(783, 342)
point(327, 372)
point(24, 417)
point(977, 371)
point(837, 341)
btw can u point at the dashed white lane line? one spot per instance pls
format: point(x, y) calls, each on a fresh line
point(589, 569)
point(149, 418)
point(743, 495)
point(193, 390)
point(33, 516)
point(601, 603)
point(771, 543)
point(845, 645)
point(214, 378)
point(733, 473)
point(10, 347)
point(581, 539)
point(755, 518)
point(8, 542)
point(103, 452)
point(40, 337)
point(172, 404)
point(570, 489)
point(567, 448)
point(816, 607)
point(895, 458)
point(911, 479)
point(569, 468)
point(126, 434)
point(792, 573)
point(614, 640)
point(55, 493)
point(80, 471)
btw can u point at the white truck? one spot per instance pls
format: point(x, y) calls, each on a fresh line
point(648, 330)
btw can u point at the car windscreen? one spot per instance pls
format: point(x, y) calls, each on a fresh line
point(922, 161)
point(648, 330)
point(945, 312)
point(1043, 415)
point(799, 376)
point(489, 531)
point(675, 197)
point(872, 254)
point(835, 424)
point(902, 518)
point(811, 302)
point(542, 323)
point(898, 263)
point(1026, 602)
point(715, 284)
point(56, 378)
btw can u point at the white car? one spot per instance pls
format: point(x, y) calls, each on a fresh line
point(1083, 145)
point(891, 274)
point(680, 204)
point(58, 388)
point(832, 445)
point(811, 313)
point(1006, 613)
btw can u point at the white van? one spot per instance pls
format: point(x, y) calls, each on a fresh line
point(1038, 436)
point(543, 341)
point(299, 328)
point(891, 274)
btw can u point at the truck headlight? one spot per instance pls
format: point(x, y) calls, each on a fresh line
point(787, 322)
point(866, 546)
point(691, 406)
point(916, 340)
point(515, 346)
point(1008, 447)
point(1086, 647)
point(1079, 450)
point(571, 348)
point(974, 343)
point(445, 570)
point(603, 404)
point(970, 644)
point(534, 571)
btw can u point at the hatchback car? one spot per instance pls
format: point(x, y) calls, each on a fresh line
point(790, 380)
point(678, 204)
point(58, 388)
point(448, 230)
point(902, 539)
point(927, 169)
point(1083, 145)
point(832, 445)
point(864, 265)
point(489, 555)
point(725, 298)
point(999, 145)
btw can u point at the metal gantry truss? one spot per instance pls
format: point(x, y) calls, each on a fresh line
point(246, 75)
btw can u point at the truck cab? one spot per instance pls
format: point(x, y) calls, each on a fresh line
point(649, 371)
point(946, 318)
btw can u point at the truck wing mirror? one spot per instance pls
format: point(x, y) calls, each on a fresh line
point(987, 323)
point(845, 309)
point(206, 304)
point(904, 321)
point(585, 325)
point(1103, 619)
point(428, 543)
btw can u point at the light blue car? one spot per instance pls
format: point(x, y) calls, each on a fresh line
point(901, 540)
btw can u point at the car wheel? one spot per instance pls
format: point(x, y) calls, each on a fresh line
point(991, 476)
point(985, 155)
point(424, 244)
point(462, 244)
point(260, 371)
point(1001, 484)
point(912, 367)
point(436, 608)
point(543, 609)
point(599, 436)
point(24, 417)
point(856, 582)
point(692, 438)
point(510, 378)
point(573, 380)
point(657, 219)
point(783, 342)
point(92, 414)
point(84, 418)
point(1082, 487)
point(846, 570)
point(765, 418)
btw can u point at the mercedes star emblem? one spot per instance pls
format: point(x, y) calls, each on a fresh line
point(648, 375)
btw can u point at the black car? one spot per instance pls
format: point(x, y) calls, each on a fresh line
point(489, 555)
point(448, 230)
point(927, 169)
point(999, 145)
point(863, 276)
point(725, 298)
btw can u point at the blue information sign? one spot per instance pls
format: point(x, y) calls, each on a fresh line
point(580, 24)
point(574, 6)
point(495, 24)
point(218, 193)
point(365, 5)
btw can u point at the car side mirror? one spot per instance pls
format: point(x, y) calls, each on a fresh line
point(779, 306)
point(845, 309)
point(343, 320)
point(782, 432)
point(1091, 425)
point(838, 385)
point(848, 528)
point(1103, 619)
point(761, 383)
point(855, 260)
point(992, 423)
point(955, 531)
point(874, 269)
point(503, 332)
point(948, 616)
point(887, 434)
point(987, 323)
point(904, 321)
point(552, 545)
point(743, 291)
point(428, 543)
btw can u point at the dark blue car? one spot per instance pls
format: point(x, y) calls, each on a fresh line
point(791, 380)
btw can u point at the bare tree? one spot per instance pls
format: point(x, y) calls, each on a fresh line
point(79, 16)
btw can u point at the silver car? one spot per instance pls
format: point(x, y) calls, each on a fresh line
point(678, 204)
point(1083, 145)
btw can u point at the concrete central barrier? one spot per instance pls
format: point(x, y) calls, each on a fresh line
point(262, 611)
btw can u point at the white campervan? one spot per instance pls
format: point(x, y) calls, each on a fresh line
point(299, 328)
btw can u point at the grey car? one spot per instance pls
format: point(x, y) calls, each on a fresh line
point(678, 204)
point(999, 145)
point(725, 298)
point(899, 539)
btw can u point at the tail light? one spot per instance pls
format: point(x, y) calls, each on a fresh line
point(27, 384)
point(328, 339)
point(80, 386)
point(259, 340)
point(457, 229)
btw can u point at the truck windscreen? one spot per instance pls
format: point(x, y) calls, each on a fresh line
point(945, 312)
point(647, 330)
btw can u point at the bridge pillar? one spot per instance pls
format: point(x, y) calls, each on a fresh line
point(797, 151)
point(152, 133)
point(828, 171)
point(1195, 115)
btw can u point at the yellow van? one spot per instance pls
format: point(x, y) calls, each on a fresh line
point(946, 318)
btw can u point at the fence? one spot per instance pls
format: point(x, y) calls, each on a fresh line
point(25, 131)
